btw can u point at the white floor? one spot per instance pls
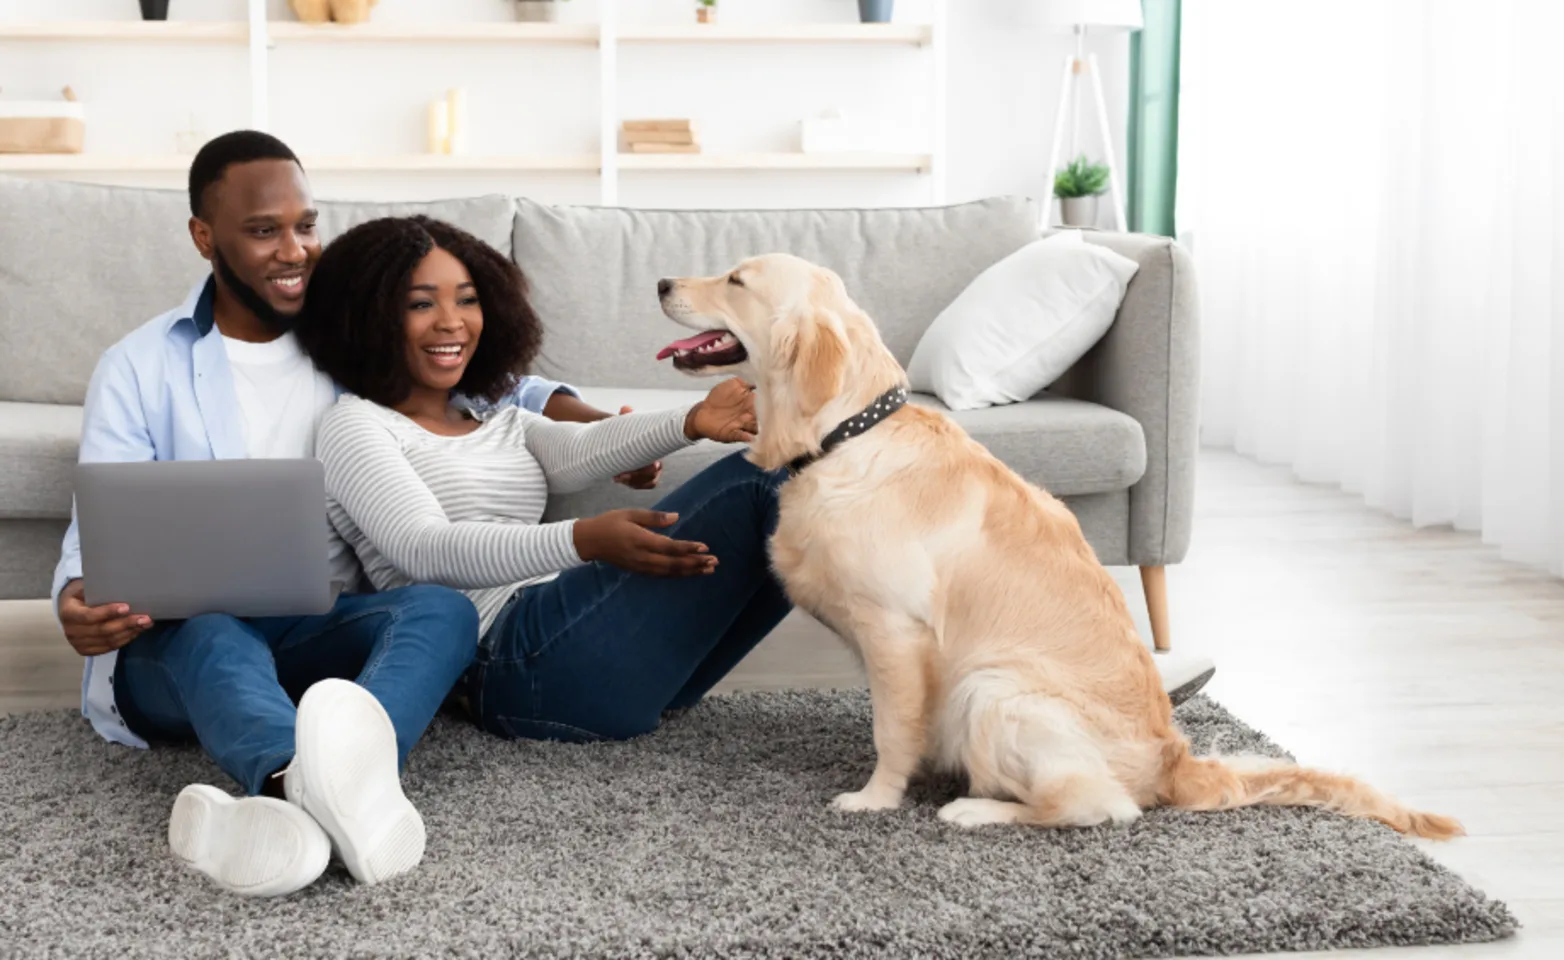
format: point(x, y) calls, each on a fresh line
point(1416, 659)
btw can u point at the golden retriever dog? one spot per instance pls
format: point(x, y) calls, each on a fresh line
point(994, 641)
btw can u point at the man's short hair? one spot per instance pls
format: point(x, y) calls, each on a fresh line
point(220, 153)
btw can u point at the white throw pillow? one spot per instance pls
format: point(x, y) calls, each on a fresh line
point(1022, 323)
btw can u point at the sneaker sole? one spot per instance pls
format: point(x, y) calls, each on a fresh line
point(1190, 687)
point(356, 795)
point(255, 846)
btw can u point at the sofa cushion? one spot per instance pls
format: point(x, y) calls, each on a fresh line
point(1068, 447)
point(1022, 323)
point(594, 271)
point(29, 551)
point(82, 265)
point(38, 444)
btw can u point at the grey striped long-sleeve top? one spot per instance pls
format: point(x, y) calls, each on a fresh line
point(418, 507)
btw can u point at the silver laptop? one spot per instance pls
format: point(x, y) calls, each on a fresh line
point(175, 539)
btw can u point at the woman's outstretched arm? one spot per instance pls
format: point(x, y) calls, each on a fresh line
point(370, 478)
point(576, 455)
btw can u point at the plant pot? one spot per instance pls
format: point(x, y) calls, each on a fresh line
point(154, 9)
point(875, 11)
point(537, 11)
point(1078, 211)
point(705, 14)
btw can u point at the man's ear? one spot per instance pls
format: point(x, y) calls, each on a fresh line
point(201, 236)
point(820, 359)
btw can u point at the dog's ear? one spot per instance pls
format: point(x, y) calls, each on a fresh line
point(809, 370)
point(819, 359)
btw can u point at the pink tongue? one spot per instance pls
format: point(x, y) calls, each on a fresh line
point(690, 343)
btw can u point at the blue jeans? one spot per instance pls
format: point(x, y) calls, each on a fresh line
point(232, 684)
point(599, 653)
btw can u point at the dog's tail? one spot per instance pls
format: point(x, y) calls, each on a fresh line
point(1226, 783)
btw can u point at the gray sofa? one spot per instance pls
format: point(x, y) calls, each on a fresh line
point(81, 265)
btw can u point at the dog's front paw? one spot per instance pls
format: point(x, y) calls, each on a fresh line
point(867, 799)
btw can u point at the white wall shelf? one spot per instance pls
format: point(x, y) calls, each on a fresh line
point(290, 31)
point(916, 34)
point(156, 31)
point(260, 36)
point(286, 31)
point(908, 162)
point(406, 163)
point(543, 163)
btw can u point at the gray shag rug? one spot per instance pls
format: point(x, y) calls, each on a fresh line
point(709, 838)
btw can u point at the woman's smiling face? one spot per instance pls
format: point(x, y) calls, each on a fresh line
point(443, 321)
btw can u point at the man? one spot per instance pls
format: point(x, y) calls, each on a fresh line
point(222, 377)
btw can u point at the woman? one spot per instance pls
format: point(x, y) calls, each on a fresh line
point(589, 629)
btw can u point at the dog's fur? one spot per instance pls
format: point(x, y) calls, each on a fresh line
point(994, 641)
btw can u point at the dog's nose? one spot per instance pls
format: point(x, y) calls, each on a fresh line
point(663, 286)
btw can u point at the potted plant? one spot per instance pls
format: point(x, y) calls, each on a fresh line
point(875, 11)
point(706, 11)
point(1078, 186)
point(538, 11)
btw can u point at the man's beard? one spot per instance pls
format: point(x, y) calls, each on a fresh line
point(247, 296)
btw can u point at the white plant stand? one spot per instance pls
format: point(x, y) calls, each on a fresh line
point(1075, 64)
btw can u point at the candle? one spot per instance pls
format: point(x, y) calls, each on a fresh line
point(456, 110)
point(439, 127)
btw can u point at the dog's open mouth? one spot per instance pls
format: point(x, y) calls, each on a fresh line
point(712, 348)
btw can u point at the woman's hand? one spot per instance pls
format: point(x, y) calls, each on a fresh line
point(727, 415)
point(624, 539)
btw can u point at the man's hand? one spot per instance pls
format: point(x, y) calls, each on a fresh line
point(623, 538)
point(100, 629)
point(727, 415)
point(643, 478)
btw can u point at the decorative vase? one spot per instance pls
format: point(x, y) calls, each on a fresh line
point(706, 14)
point(1078, 211)
point(537, 11)
point(875, 11)
point(154, 9)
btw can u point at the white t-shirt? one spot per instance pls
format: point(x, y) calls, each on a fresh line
point(281, 395)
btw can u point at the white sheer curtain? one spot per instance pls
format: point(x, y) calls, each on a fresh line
point(1373, 191)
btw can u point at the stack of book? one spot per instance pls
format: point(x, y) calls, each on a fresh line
point(658, 136)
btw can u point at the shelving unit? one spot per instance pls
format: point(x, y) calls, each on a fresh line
point(606, 36)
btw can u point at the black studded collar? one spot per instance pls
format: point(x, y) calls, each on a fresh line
point(883, 406)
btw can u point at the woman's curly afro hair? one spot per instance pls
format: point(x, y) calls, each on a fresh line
point(352, 325)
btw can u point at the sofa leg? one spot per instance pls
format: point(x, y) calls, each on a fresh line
point(1154, 581)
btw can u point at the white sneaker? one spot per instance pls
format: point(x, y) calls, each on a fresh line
point(344, 774)
point(252, 846)
point(1183, 676)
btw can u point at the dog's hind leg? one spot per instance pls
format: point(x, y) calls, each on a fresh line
point(1031, 750)
point(895, 651)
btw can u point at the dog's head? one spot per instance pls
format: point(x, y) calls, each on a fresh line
point(789, 327)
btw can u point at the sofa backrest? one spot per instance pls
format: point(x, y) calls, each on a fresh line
point(594, 271)
point(82, 265)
